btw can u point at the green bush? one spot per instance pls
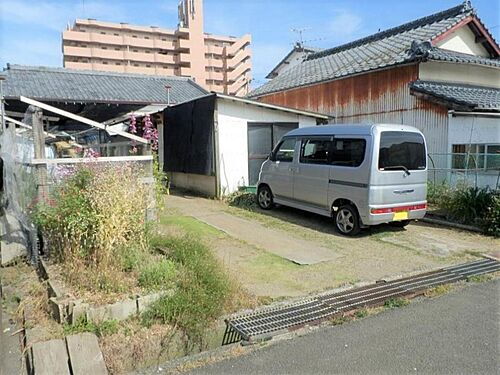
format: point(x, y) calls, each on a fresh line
point(94, 224)
point(242, 199)
point(202, 291)
point(157, 275)
point(468, 205)
point(491, 223)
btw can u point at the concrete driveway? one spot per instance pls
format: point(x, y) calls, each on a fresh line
point(287, 253)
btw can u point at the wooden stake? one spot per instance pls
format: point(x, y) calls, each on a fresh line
point(39, 143)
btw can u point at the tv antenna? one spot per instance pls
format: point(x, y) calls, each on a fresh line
point(300, 32)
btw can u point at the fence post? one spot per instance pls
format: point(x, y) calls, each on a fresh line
point(39, 143)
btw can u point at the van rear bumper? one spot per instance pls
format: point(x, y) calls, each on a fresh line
point(380, 218)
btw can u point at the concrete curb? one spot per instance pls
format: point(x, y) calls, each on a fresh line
point(446, 223)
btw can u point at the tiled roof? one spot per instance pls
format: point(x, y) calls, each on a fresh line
point(475, 97)
point(435, 53)
point(61, 84)
point(383, 49)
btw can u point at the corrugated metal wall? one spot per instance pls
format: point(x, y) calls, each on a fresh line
point(382, 96)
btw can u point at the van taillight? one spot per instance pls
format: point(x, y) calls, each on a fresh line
point(413, 207)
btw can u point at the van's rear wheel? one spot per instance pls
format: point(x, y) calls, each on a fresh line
point(265, 198)
point(347, 220)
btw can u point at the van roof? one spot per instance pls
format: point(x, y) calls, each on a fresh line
point(348, 129)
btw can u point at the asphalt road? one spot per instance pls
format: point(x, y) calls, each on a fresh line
point(458, 333)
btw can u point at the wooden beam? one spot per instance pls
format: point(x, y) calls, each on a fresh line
point(26, 126)
point(104, 159)
point(80, 118)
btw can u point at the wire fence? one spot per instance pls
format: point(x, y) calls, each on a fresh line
point(479, 170)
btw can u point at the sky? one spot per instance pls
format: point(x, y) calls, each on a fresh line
point(30, 30)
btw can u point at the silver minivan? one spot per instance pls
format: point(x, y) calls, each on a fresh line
point(360, 175)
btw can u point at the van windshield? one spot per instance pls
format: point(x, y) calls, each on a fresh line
point(401, 150)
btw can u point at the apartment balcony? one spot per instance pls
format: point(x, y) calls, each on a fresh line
point(214, 49)
point(213, 63)
point(239, 87)
point(235, 74)
point(184, 44)
point(141, 70)
point(139, 42)
point(184, 58)
point(241, 43)
point(185, 71)
point(216, 76)
point(241, 55)
point(165, 59)
point(87, 37)
point(140, 56)
point(77, 51)
point(77, 65)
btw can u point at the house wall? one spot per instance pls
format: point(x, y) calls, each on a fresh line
point(460, 73)
point(194, 182)
point(380, 97)
point(463, 40)
point(474, 129)
point(233, 138)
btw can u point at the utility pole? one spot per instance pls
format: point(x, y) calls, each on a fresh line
point(39, 143)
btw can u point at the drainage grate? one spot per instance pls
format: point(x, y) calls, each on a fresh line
point(247, 326)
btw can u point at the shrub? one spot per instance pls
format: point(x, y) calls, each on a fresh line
point(468, 204)
point(203, 288)
point(491, 223)
point(157, 275)
point(94, 223)
point(242, 199)
point(105, 328)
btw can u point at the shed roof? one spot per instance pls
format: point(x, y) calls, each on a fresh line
point(398, 45)
point(61, 85)
point(473, 97)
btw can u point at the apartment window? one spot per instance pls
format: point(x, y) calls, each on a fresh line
point(103, 47)
point(117, 49)
point(105, 62)
point(164, 39)
point(135, 50)
point(117, 63)
point(148, 51)
point(134, 36)
point(84, 45)
point(148, 66)
point(136, 64)
point(115, 34)
point(103, 32)
point(476, 156)
point(146, 37)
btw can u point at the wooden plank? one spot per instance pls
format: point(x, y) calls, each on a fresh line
point(23, 125)
point(103, 159)
point(80, 118)
point(85, 355)
point(50, 358)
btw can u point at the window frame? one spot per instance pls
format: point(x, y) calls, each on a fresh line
point(378, 151)
point(277, 148)
point(303, 142)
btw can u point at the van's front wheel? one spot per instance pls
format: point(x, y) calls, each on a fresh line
point(347, 220)
point(265, 198)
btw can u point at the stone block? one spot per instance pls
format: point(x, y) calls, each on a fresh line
point(117, 311)
point(58, 309)
point(85, 355)
point(11, 252)
point(50, 357)
point(78, 310)
point(143, 302)
point(55, 289)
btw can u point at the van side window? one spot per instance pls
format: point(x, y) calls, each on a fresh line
point(348, 152)
point(315, 151)
point(285, 150)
